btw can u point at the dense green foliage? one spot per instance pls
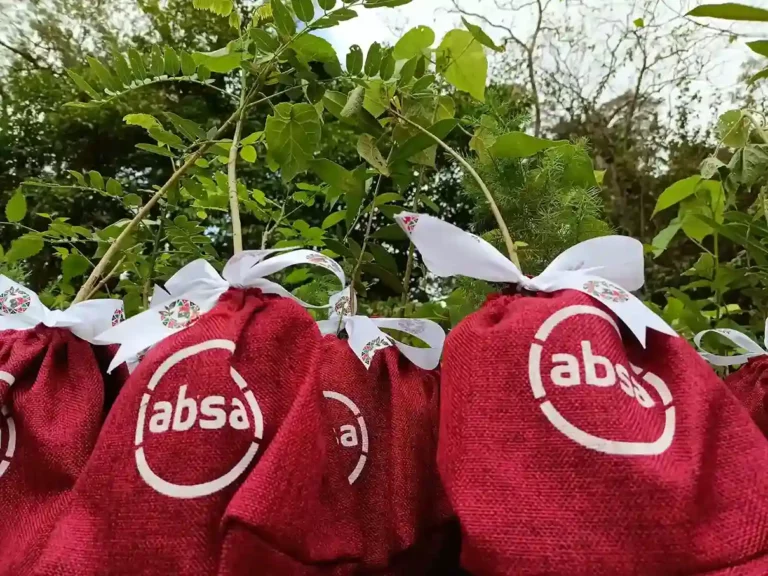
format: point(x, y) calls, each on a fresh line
point(224, 123)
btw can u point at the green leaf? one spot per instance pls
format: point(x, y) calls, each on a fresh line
point(639, 23)
point(248, 153)
point(389, 279)
point(156, 150)
point(710, 166)
point(252, 138)
point(355, 60)
point(663, 238)
point(373, 60)
point(366, 147)
point(446, 108)
point(408, 70)
point(414, 43)
point(191, 130)
point(264, 41)
point(304, 10)
point(387, 67)
point(333, 219)
point(462, 62)
point(96, 180)
point(114, 188)
point(283, 18)
point(82, 84)
point(386, 198)
point(676, 193)
point(188, 65)
point(137, 64)
point(104, 74)
point(377, 96)
point(146, 121)
point(172, 62)
point(122, 69)
point(730, 11)
point(156, 62)
point(132, 200)
point(733, 128)
point(326, 4)
point(521, 145)
point(292, 134)
point(165, 137)
point(390, 232)
point(78, 176)
point(480, 35)
point(759, 76)
point(337, 176)
point(74, 265)
point(759, 47)
point(423, 83)
point(16, 208)
point(310, 48)
point(383, 257)
point(218, 62)
point(749, 164)
point(385, 3)
point(421, 141)
point(24, 247)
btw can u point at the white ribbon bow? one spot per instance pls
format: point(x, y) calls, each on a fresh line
point(605, 268)
point(365, 337)
point(21, 309)
point(196, 288)
point(743, 341)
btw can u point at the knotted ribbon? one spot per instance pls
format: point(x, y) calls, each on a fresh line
point(196, 288)
point(752, 349)
point(605, 268)
point(21, 309)
point(365, 336)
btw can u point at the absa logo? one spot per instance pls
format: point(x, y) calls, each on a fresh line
point(348, 436)
point(598, 372)
point(187, 414)
point(7, 430)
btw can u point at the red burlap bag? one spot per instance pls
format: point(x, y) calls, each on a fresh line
point(349, 485)
point(568, 447)
point(750, 385)
point(52, 405)
point(190, 423)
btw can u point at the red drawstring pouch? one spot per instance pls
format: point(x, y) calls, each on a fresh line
point(578, 434)
point(52, 405)
point(349, 484)
point(750, 383)
point(225, 359)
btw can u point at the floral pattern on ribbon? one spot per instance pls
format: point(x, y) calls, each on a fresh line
point(14, 301)
point(603, 290)
point(118, 316)
point(410, 222)
point(343, 307)
point(324, 261)
point(378, 343)
point(179, 314)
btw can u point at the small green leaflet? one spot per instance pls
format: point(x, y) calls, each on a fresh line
point(172, 62)
point(414, 43)
point(103, 73)
point(155, 150)
point(676, 193)
point(220, 7)
point(156, 62)
point(16, 208)
point(248, 153)
point(24, 247)
point(264, 40)
point(146, 121)
point(373, 60)
point(480, 35)
point(333, 219)
point(521, 145)
point(283, 18)
point(74, 265)
point(122, 69)
point(638, 22)
point(310, 48)
point(730, 11)
point(326, 4)
point(733, 128)
point(292, 134)
point(114, 188)
point(759, 47)
point(383, 257)
point(304, 10)
point(82, 84)
point(97, 181)
point(421, 141)
point(355, 60)
point(462, 61)
point(137, 64)
point(366, 147)
point(218, 61)
point(188, 65)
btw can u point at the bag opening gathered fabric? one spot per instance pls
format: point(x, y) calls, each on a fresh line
point(52, 405)
point(579, 435)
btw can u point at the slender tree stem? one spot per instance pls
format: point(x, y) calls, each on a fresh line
point(511, 248)
point(104, 280)
point(152, 261)
point(234, 201)
point(411, 246)
point(116, 246)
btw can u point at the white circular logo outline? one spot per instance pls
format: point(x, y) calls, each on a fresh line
point(10, 449)
point(616, 447)
point(205, 488)
point(352, 407)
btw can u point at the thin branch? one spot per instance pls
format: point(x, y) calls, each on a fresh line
point(234, 201)
point(511, 248)
point(104, 280)
point(26, 55)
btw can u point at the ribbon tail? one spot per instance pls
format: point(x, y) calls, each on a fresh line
point(738, 339)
